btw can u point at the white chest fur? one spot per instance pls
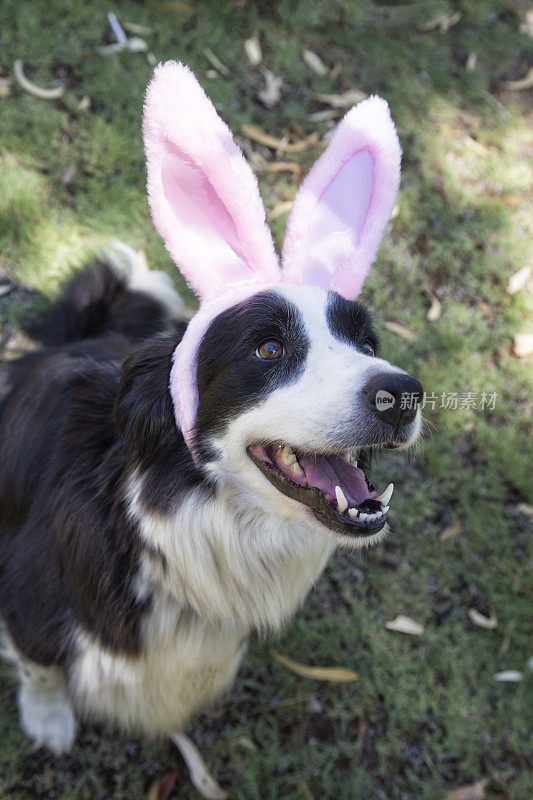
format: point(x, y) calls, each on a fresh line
point(158, 691)
point(213, 575)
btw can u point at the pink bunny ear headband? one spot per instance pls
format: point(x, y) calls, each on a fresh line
point(205, 203)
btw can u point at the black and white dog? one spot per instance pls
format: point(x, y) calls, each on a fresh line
point(134, 568)
point(131, 578)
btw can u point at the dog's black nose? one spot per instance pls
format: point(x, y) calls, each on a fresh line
point(394, 397)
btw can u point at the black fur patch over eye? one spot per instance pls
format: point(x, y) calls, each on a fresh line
point(350, 322)
point(231, 377)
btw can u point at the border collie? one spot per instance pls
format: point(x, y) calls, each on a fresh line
point(166, 490)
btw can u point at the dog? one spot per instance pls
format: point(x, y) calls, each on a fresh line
point(138, 551)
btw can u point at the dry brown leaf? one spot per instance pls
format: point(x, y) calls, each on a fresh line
point(252, 48)
point(271, 94)
point(527, 25)
point(399, 330)
point(335, 70)
point(489, 623)
point(442, 22)
point(134, 45)
point(403, 624)
point(297, 130)
point(305, 790)
point(344, 100)
point(451, 532)
point(200, 777)
point(247, 743)
point(525, 509)
point(216, 62)
point(522, 84)
point(281, 208)
point(314, 62)
point(485, 308)
point(474, 791)
point(477, 147)
point(518, 280)
point(471, 62)
point(508, 676)
point(139, 30)
point(255, 133)
point(284, 166)
point(162, 787)
point(512, 200)
point(68, 174)
point(523, 345)
point(5, 87)
point(435, 309)
point(324, 116)
point(335, 674)
point(31, 88)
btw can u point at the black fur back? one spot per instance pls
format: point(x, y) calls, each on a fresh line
point(97, 302)
point(77, 420)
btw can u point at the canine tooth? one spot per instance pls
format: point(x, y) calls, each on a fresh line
point(384, 509)
point(353, 512)
point(387, 494)
point(341, 500)
point(287, 456)
point(296, 468)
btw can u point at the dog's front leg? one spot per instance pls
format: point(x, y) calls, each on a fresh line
point(45, 712)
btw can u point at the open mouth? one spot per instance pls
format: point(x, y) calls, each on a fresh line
point(333, 486)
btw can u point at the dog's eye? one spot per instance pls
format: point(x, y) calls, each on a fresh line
point(269, 350)
point(367, 349)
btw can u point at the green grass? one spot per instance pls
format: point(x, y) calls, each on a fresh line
point(426, 715)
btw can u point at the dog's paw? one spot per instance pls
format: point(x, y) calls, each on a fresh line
point(48, 719)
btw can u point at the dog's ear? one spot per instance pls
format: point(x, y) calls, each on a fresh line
point(203, 196)
point(342, 207)
point(143, 407)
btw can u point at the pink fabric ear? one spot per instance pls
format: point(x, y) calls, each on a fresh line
point(203, 195)
point(342, 207)
point(183, 384)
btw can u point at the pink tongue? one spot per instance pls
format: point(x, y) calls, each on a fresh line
point(327, 472)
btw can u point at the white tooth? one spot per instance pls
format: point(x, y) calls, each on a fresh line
point(363, 517)
point(354, 513)
point(387, 494)
point(287, 456)
point(384, 509)
point(296, 468)
point(341, 500)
